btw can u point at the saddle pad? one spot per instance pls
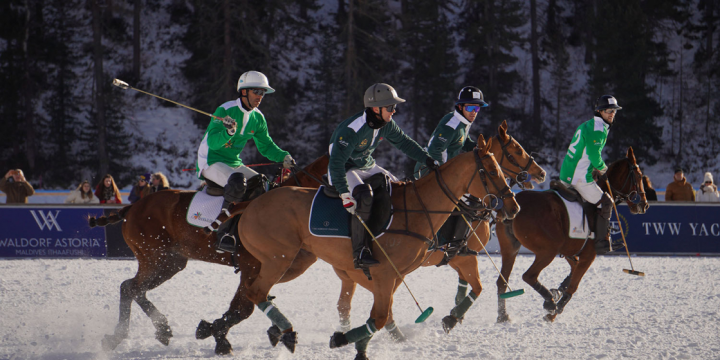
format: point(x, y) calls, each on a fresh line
point(328, 218)
point(579, 228)
point(203, 209)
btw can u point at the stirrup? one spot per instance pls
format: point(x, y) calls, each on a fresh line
point(227, 243)
point(365, 259)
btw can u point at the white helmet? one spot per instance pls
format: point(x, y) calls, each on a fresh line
point(254, 80)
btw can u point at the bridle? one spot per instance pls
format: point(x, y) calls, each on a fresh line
point(520, 177)
point(634, 195)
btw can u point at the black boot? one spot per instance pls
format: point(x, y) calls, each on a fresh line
point(602, 225)
point(360, 238)
point(233, 192)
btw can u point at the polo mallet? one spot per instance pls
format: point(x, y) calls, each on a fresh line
point(424, 314)
point(632, 270)
point(123, 85)
point(507, 294)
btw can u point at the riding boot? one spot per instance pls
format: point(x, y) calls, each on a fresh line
point(602, 225)
point(233, 192)
point(360, 238)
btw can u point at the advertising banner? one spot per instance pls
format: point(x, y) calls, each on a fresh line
point(50, 232)
point(668, 228)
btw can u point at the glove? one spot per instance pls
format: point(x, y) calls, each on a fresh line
point(288, 162)
point(349, 202)
point(599, 175)
point(431, 163)
point(230, 125)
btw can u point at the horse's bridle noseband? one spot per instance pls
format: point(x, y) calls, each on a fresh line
point(631, 177)
point(520, 177)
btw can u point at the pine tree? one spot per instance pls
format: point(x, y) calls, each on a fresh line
point(489, 31)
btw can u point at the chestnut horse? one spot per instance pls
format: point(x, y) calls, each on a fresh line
point(156, 231)
point(277, 247)
point(542, 227)
point(506, 150)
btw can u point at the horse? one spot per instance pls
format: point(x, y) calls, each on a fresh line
point(506, 149)
point(277, 247)
point(156, 231)
point(542, 227)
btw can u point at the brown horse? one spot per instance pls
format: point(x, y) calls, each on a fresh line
point(542, 227)
point(156, 231)
point(506, 150)
point(277, 248)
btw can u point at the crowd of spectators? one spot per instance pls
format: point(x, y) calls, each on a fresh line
point(17, 189)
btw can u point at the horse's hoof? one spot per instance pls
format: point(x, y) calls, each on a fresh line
point(337, 340)
point(163, 334)
point(110, 342)
point(92, 222)
point(204, 330)
point(361, 356)
point(397, 336)
point(223, 347)
point(503, 318)
point(550, 306)
point(549, 317)
point(274, 334)
point(449, 323)
point(289, 339)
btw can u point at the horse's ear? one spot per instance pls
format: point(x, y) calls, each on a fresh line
point(631, 155)
point(481, 142)
point(502, 130)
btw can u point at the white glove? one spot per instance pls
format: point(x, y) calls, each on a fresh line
point(349, 202)
point(288, 162)
point(230, 125)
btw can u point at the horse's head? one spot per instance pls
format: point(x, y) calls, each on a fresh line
point(625, 180)
point(517, 164)
point(492, 188)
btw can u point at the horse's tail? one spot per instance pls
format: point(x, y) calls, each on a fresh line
point(111, 219)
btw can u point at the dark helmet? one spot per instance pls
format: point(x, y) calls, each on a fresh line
point(606, 102)
point(471, 95)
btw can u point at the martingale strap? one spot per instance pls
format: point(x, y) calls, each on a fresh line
point(407, 231)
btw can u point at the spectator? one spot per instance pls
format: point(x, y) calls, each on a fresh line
point(650, 193)
point(16, 187)
point(680, 189)
point(141, 189)
point(708, 190)
point(107, 191)
point(159, 182)
point(82, 195)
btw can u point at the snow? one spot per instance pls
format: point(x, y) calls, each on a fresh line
point(60, 309)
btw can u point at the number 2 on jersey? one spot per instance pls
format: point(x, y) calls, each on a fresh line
point(576, 140)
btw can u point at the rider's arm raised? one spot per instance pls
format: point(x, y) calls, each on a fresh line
point(217, 135)
point(264, 143)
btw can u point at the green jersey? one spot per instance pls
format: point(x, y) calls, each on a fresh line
point(448, 140)
point(353, 143)
point(218, 146)
point(584, 152)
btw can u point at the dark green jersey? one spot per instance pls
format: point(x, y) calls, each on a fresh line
point(353, 142)
point(448, 140)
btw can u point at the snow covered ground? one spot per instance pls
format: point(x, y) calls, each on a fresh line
point(60, 309)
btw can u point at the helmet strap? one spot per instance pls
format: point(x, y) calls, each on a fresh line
point(244, 100)
point(373, 120)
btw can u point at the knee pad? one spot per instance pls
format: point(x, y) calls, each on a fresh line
point(606, 205)
point(235, 187)
point(256, 186)
point(363, 194)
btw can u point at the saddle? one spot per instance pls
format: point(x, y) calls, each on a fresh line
point(571, 195)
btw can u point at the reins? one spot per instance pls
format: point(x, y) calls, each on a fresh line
point(520, 177)
point(631, 177)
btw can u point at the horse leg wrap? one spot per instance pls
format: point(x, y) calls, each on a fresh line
point(361, 346)
point(277, 318)
point(361, 332)
point(549, 303)
point(461, 291)
point(502, 311)
point(563, 301)
point(395, 332)
point(460, 310)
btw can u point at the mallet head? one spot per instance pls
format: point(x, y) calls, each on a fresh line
point(121, 84)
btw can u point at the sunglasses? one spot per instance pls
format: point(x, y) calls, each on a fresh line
point(390, 108)
point(259, 92)
point(472, 108)
point(610, 111)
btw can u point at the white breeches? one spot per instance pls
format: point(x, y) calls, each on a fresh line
point(219, 172)
point(355, 177)
point(591, 192)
